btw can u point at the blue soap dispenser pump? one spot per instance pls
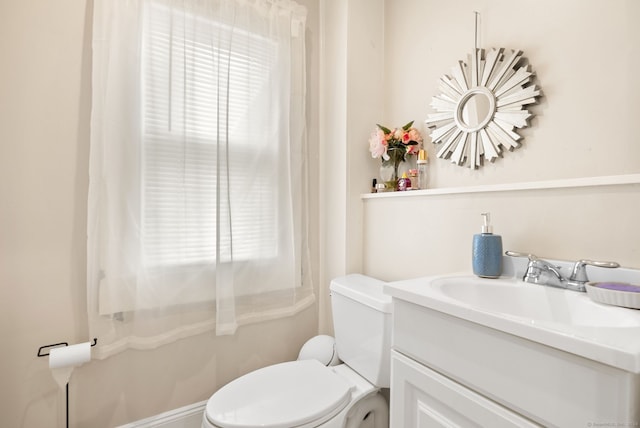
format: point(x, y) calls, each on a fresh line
point(487, 251)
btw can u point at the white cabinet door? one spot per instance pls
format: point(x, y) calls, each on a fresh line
point(421, 397)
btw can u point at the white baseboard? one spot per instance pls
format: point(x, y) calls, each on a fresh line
point(185, 417)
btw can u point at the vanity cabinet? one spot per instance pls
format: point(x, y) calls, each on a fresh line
point(448, 371)
point(421, 397)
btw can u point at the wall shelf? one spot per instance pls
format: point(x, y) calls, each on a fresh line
point(612, 180)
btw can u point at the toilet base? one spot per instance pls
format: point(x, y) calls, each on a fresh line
point(371, 411)
point(367, 408)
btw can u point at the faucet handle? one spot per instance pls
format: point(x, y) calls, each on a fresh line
point(579, 272)
point(530, 256)
point(535, 266)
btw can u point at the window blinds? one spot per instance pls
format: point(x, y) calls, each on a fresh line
point(200, 83)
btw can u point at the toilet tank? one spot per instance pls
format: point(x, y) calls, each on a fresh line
point(362, 326)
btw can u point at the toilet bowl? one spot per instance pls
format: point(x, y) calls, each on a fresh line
point(308, 393)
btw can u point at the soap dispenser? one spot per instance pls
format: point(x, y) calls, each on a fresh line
point(487, 251)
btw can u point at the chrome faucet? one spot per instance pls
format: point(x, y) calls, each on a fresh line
point(544, 273)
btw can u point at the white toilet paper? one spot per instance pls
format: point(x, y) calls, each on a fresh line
point(62, 361)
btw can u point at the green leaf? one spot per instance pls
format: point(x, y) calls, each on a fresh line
point(408, 126)
point(385, 130)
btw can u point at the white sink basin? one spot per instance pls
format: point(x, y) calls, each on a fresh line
point(563, 319)
point(533, 302)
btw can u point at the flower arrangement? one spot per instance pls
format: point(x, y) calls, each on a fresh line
point(393, 145)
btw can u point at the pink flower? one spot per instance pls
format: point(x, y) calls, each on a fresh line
point(414, 135)
point(378, 145)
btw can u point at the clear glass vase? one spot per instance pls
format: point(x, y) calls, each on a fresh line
point(393, 167)
point(389, 174)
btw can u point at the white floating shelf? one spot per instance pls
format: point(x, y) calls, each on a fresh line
point(611, 180)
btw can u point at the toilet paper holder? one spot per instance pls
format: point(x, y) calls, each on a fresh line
point(43, 351)
point(58, 345)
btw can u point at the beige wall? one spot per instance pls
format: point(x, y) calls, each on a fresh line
point(45, 84)
point(586, 55)
point(597, 223)
point(353, 43)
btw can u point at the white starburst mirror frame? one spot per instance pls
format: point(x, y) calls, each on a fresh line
point(480, 107)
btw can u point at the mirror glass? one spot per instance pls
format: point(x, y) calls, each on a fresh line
point(475, 110)
point(481, 106)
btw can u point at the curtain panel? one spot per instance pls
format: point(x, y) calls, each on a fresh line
point(197, 217)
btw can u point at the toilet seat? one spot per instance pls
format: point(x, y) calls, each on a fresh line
point(293, 394)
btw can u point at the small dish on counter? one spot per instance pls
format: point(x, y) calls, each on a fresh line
point(615, 293)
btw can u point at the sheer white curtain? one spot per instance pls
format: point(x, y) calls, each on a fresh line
point(197, 213)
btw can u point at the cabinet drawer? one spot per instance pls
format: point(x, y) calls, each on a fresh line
point(421, 397)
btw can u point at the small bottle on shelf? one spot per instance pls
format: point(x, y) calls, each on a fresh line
point(404, 183)
point(422, 169)
point(413, 176)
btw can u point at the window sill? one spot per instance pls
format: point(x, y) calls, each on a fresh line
point(612, 180)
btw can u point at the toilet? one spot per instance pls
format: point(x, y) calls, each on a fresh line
point(310, 393)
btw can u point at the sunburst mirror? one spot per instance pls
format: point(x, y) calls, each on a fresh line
point(481, 107)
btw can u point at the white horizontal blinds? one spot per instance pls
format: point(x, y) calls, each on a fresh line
point(202, 81)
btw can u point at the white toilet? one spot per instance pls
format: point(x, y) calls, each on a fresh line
point(306, 393)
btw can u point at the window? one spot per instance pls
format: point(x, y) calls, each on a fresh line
point(196, 169)
point(198, 97)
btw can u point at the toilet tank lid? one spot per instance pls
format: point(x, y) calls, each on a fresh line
point(363, 289)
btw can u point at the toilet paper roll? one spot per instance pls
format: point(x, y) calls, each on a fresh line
point(63, 360)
